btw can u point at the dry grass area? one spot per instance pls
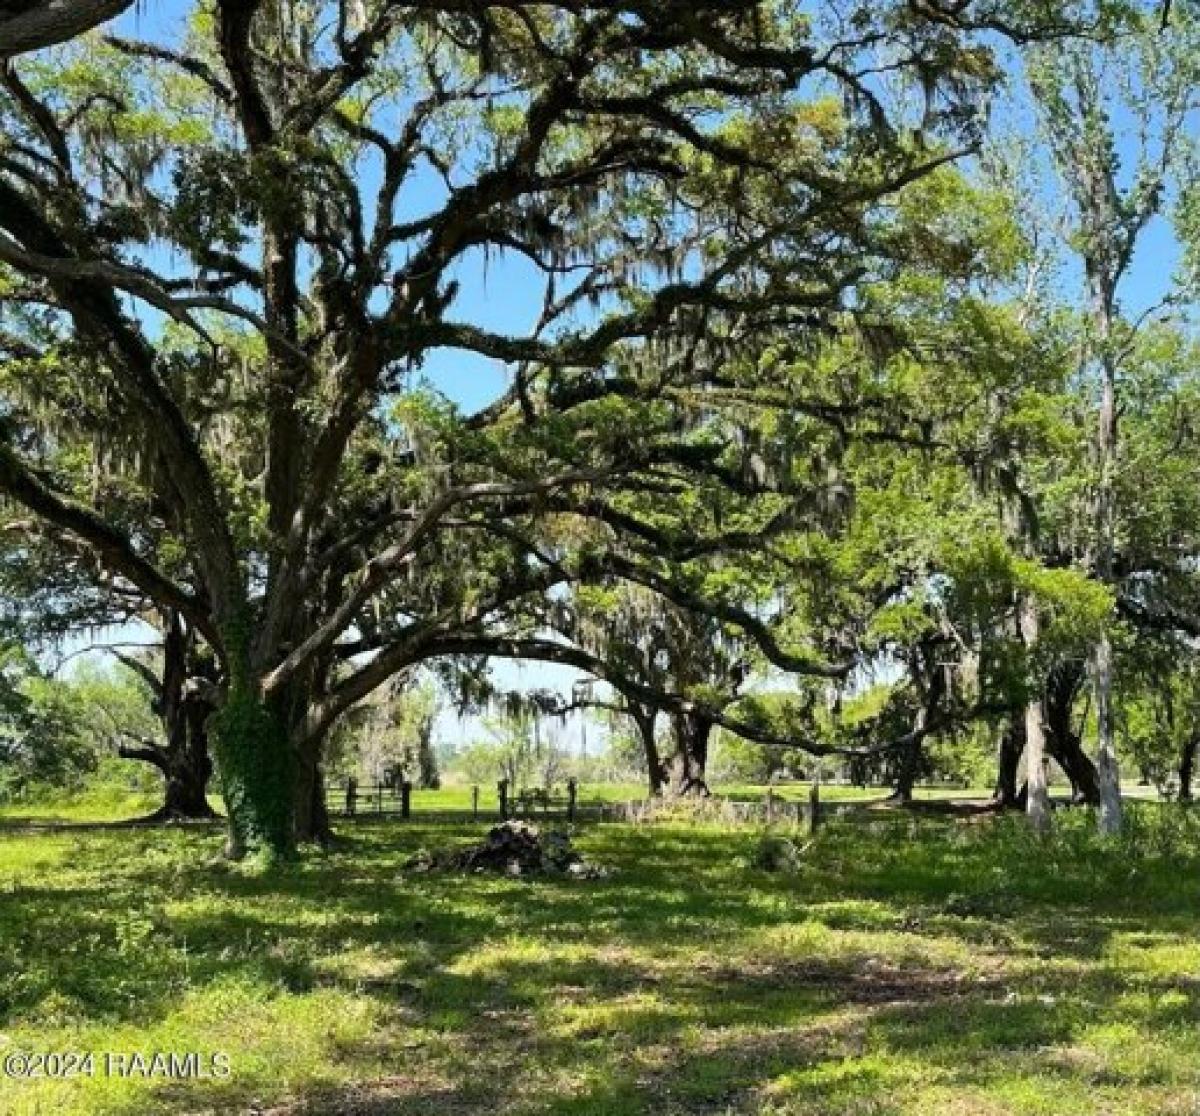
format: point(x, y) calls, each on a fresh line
point(906, 966)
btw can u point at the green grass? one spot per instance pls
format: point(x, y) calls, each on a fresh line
point(111, 803)
point(108, 805)
point(910, 965)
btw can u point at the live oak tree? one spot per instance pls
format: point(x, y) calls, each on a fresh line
point(181, 680)
point(622, 625)
point(226, 259)
point(663, 647)
point(51, 594)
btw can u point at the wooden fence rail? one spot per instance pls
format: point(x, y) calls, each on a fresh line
point(353, 799)
point(770, 810)
point(395, 800)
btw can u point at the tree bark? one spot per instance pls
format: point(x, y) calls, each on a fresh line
point(1062, 741)
point(1187, 764)
point(931, 687)
point(690, 760)
point(186, 796)
point(27, 25)
point(1006, 796)
point(644, 718)
point(189, 766)
point(311, 815)
point(1107, 770)
point(1037, 798)
point(184, 758)
point(1102, 283)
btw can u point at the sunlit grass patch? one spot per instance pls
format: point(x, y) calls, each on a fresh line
point(901, 968)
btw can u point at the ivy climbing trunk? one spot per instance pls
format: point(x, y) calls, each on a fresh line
point(255, 758)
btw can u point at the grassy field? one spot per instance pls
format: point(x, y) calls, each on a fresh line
point(908, 966)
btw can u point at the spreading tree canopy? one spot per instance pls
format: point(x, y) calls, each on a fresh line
point(224, 261)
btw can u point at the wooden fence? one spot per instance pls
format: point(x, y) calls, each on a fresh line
point(771, 809)
point(395, 800)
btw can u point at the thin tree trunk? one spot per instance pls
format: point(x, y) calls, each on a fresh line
point(1187, 764)
point(1062, 741)
point(644, 719)
point(1008, 760)
point(1037, 798)
point(1108, 774)
point(931, 686)
point(1107, 771)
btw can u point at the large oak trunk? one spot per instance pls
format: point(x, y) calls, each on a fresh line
point(190, 768)
point(183, 758)
point(186, 797)
point(311, 815)
point(689, 763)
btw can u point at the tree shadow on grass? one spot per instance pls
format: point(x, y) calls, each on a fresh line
point(657, 989)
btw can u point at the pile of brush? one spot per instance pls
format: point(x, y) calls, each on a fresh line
point(513, 849)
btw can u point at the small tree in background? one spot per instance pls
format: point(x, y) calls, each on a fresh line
point(390, 737)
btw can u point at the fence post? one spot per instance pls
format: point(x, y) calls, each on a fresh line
point(379, 798)
point(502, 787)
point(572, 790)
point(474, 803)
point(351, 795)
point(770, 805)
point(814, 804)
point(405, 799)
